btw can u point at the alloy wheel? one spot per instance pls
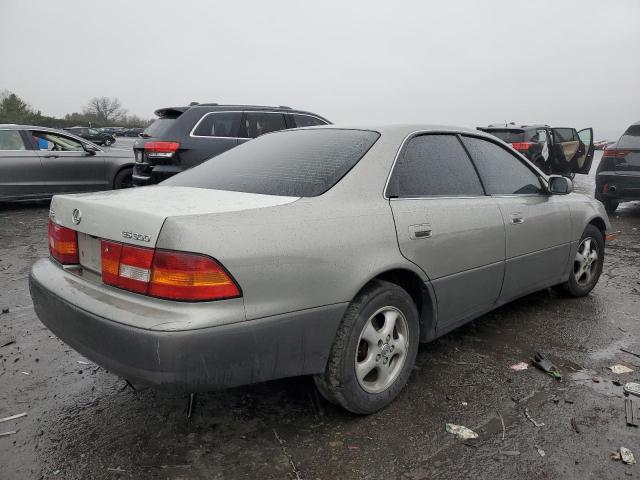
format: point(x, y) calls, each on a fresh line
point(382, 349)
point(585, 264)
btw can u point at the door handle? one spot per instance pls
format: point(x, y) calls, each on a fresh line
point(422, 230)
point(517, 218)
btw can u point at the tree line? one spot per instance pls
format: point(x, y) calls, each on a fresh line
point(98, 112)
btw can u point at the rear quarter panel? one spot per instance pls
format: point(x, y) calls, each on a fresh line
point(310, 253)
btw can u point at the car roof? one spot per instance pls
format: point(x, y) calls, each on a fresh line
point(400, 129)
point(212, 107)
point(510, 126)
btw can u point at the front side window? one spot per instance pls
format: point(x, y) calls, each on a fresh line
point(502, 172)
point(434, 165)
point(259, 123)
point(296, 163)
point(94, 132)
point(219, 124)
point(306, 120)
point(11, 140)
point(56, 143)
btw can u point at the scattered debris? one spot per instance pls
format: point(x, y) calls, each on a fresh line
point(630, 416)
point(630, 352)
point(620, 369)
point(540, 451)
point(595, 380)
point(632, 388)
point(460, 431)
point(625, 455)
point(25, 373)
point(286, 454)
point(464, 404)
point(616, 383)
point(570, 401)
point(503, 427)
point(13, 417)
point(519, 366)
point(6, 434)
point(81, 362)
point(510, 453)
point(192, 397)
point(117, 470)
point(8, 342)
point(544, 364)
point(5, 310)
point(574, 424)
point(528, 415)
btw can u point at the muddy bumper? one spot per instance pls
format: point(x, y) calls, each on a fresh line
point(192, 360)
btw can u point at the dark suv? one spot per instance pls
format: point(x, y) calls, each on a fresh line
point(93, 135)
point(562, 151)
point(183, 137)
point(618, 175)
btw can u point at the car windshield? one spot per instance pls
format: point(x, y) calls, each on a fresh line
point(159, 127)
point(298, 163)
point(511, 135)
point(630, 138)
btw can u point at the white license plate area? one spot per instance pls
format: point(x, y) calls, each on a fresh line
point(89, 252)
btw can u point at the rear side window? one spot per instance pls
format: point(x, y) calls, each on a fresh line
point(297, 163)
point(502, 172)
point(509, 135)
point(434, 165)
point(258, 123)
point(630, 138)
point(219, 124)
point(11, 140)
point(565, 135)
point(307, 120)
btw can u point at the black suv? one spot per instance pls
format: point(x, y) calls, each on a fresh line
point(183, 137)
point(618, 175)
point(93, 135)
point(561, 151)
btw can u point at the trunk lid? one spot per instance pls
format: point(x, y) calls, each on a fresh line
point(135, 216)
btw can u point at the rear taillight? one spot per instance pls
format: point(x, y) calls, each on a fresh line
point(161, 149)
point(522, 145)
point(63, 244)
point(614, 153)
point(165, 274)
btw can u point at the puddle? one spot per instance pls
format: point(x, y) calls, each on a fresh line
point(603, 386)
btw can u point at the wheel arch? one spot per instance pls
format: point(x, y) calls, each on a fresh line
point(419, 290)
point(600, 224)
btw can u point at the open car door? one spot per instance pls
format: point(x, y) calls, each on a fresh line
point(568, 149)
point(584, 161)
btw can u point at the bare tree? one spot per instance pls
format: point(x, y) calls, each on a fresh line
point(105, 109)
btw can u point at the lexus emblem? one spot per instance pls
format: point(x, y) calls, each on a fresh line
point(76, 216)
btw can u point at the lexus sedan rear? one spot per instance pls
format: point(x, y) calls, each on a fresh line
point(324, 251)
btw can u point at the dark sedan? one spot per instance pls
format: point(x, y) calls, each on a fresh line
point(38, 162)
point(94, 135)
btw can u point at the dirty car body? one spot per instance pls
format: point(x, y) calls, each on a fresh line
point(300, 245)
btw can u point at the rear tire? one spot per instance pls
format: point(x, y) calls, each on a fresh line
point(107, 142)
point(374, 350)
point(123, 179)
point(587, 264)
point(610, 205)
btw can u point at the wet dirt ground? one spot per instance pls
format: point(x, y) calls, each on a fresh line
point(85, 423)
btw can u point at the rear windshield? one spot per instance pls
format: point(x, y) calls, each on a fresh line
point(159, 127)
point(296, 163)
point(630, 138)
point(511, 135)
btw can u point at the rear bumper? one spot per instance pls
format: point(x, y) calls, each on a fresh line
point(148, 174)
point(621, 186)
point(188, 359)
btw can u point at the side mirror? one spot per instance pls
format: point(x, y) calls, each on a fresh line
point(559, 185)
point(90, 149)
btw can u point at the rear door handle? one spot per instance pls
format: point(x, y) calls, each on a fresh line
point(422, 230)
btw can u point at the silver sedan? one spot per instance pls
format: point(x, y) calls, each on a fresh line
point(324, 251)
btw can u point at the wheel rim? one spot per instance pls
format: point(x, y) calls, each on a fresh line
point(586, 262)
point(382, 349)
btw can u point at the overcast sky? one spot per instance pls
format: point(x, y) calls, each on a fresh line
point(562, 62)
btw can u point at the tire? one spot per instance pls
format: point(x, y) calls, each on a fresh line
point(584, 276)
point(361, 336)
point(123, 179)
point(108, 142)
point(610, 205)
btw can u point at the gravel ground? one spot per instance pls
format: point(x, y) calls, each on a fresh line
point(84, 422)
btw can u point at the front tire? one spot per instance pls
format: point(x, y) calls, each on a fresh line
point(587, 264)
point(374, 350)
point(107, 142)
